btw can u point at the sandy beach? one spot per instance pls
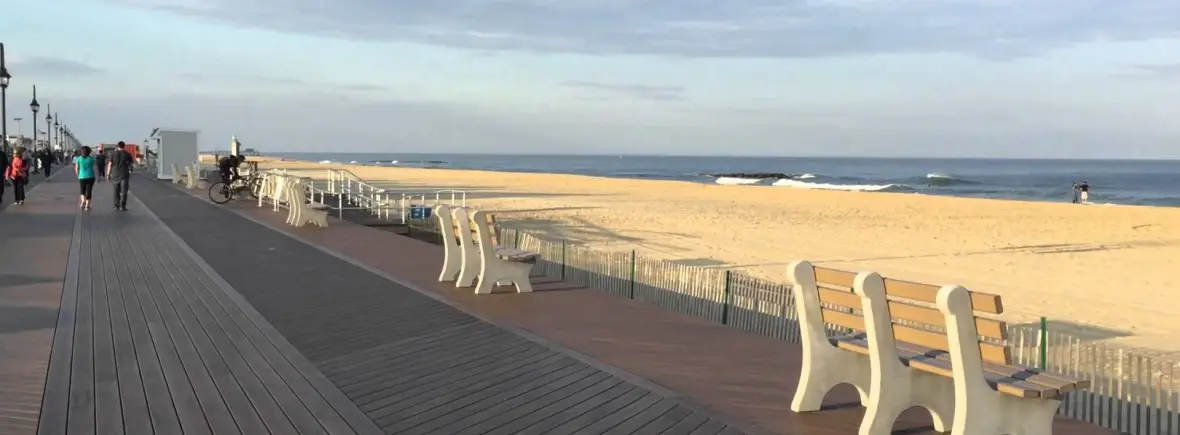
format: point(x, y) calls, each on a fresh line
point(1100, 272)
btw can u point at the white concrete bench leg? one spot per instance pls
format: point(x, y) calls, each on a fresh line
point(452, 258)
point(894, 387)
point(177, 176)
point(190, 178)
point(280, 192)
point(824, 365)
point(492, 268)
point(469, 258)
point(979, 409)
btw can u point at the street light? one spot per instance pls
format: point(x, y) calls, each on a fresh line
point(57, 126)
point(48, 127)
point(35, 107)
point(4, 78)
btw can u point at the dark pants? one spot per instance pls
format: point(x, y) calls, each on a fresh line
point(46, 167)
point(18, 189)
point(3, 184)
point(87, 187)
point(121, 185)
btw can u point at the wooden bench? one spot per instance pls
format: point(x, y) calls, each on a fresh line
point(929, 346)
point(472, 251)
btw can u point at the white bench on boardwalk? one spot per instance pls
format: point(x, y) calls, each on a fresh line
point(190, 177)
point(902, 353)
point(472, 251)
point(177, 176)
point(302, 211)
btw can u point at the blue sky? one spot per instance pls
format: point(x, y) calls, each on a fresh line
point(939, 78)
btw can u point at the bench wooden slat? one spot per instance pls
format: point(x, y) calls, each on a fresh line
point(920, 361)
point(993, 353)
point(1061, 382)
point(986, 327)
point(832, 277)
point(985, 302)
point(843, 298)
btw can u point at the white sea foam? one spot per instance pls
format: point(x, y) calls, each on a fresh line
point(736, 181)
point(806, 176)
point(826, 186)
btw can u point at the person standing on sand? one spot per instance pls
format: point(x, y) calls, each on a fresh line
point(1084, 192)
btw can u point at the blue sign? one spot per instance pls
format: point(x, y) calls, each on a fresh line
point(420, 212)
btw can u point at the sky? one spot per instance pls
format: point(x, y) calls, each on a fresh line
point(897, 78)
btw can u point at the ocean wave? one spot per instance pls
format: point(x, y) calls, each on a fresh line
point(806, 176)
point(736, 181)
point(826, 186)
point(936, 179)
point(326, 162)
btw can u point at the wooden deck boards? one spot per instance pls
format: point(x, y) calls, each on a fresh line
point(410, 362)
point(149, 342)
point(36, 241)
point(736, 373)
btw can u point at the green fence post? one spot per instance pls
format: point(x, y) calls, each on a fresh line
point(632, 274)
point(563, 259)
point(725, 298)
point(1044, 342)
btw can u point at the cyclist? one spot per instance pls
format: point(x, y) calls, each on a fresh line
point(228, 168)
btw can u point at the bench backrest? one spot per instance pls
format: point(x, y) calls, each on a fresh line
point(912, 316)
point(470, 232)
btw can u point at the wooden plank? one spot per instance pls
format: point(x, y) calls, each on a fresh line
point(534, 407)
point(451, 407)
point(985, 302)
point(175, 401)
point(689, 424)
point(248, 419)
point(426, 381)
point(189, 367)
point(665, 422)
point(447, 352)
point(160, 403)
point(337, 413)
point(108, 405)
point(645, 417)
point(607, 421)
point(56, 399)
point(424, 394)
point(132, 396)
point(826, 277)
point(561, 419)
point(290, 388)
point(711, 427)
point(273, 400)
point(82, 374)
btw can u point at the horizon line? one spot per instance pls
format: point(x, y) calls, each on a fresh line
point(867, 157)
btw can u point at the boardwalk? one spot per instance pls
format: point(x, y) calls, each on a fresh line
point(181, 317)
point(411, 362)
point(743, 376)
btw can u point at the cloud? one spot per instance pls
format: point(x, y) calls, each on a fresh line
point(642, 92)
point(282, 82)
point(50, 66)
point(1160, 70)
point(748, 28)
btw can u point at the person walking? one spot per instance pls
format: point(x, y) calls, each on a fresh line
point(46, 162)
point(84, 166)
point(100, 158)
point(18, 174)
point(119, 172)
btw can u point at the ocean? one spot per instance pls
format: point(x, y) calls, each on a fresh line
point(1114, 182)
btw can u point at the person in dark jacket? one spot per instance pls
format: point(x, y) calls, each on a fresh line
point(3, 170)
point(46, 162)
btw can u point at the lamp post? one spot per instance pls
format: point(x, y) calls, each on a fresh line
point(57, 126)
point(49, 127)
point(35, 107)
point(4, 77)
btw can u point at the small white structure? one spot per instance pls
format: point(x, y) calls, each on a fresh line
point(498, 263)
point(175, 148)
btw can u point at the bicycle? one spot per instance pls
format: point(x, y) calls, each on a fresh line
point(221, 193)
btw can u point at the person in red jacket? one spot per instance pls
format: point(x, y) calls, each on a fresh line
point(18, 174)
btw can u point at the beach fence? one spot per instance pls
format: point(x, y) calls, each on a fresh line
point(1134, 391)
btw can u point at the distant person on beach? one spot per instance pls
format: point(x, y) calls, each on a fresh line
point(1084, 192)
point(84, 166)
